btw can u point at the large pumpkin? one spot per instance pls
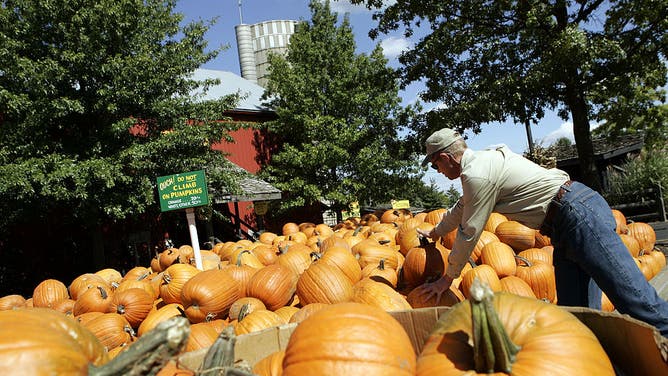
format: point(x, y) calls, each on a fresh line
point(516, 235)
point(529, 337)
point(425, 263)
point(209, 295)
point(644, 233)
point(323, 283)
point(349, 339)
point(41, 341)
point(378, 294)
point(49, 292)
point(274, 284)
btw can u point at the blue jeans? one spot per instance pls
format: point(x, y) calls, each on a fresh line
point(588, 253)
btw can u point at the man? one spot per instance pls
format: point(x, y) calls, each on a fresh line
point(588, 253)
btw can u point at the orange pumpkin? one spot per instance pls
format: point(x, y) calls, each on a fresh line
point(620, 220)
point(540, 276)
point(323, 283)
point(95, 299)
point(65, 306)
point(270, 365)
point(12, 301)
point(306, 311)
point(493, 221)
point(173, 279)
point(516, 235)
point(359, 340)
point(644, 233)
point(202, 335)
point(516, 285)
point(381, 273)
point(425, 263)
point(297, 257)
point(371, 252)
point(483, 272)
point(378, 294)
point(274, 285)
point(41, 341)
point(256, 321)
point(84, 282)
point(246, 305)
point(137, 273)
point(529, 337)
point(286, 313)
point(486, 237)
point(632, 244)
point(435, 216)
point(156, 316)
point(344, 260)
point(501, 257)
point(49, 292)
point(111, 329)
point(133, 304)
point(111, 275)
point(209, 295)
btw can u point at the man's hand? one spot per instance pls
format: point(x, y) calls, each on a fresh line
point(427, 234)
point(437, 288)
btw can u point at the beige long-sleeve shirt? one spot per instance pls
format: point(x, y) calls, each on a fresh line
point(500, 181)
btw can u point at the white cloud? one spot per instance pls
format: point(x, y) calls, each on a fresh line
point(344, 6)
point(394, 46)
point(565, 130)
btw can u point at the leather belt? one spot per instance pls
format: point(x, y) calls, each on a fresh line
point(553, 208)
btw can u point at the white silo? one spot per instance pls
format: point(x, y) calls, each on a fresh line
point(246, 52)
point(256, 41)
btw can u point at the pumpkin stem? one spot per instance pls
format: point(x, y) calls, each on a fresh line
point(244, 311)
point(239, 263)
point(150, 353)
point(493, 349)
point(524, 260)
point(103, 292)
point(219, 359)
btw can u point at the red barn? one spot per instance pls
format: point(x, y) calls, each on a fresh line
point(251, 147)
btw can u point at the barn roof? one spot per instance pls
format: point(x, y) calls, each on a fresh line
point(230, 83)
point(604, 148)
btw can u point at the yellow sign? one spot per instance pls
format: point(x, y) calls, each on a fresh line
point(353, 212)
point(261, 207)
point(400, 204)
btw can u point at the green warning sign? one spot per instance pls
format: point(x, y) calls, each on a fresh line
point(184, 190)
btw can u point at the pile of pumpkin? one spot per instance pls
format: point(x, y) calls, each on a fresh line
point(378, 261)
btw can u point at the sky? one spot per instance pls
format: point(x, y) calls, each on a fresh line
point(229, 13)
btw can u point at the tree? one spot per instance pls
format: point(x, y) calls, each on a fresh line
point(339, 119)
point(488, 61)
point(95, 103)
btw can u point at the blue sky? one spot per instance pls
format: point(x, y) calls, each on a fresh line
point(229, 14)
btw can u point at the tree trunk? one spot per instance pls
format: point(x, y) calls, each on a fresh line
point(589, 174)
point(575, 100)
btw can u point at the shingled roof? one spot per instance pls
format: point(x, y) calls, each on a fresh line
point(604, 148)
point(252, 188)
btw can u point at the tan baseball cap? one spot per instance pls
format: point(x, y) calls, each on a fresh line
point(438, 141)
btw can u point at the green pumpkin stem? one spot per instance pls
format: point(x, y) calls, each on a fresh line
point(493, 350)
